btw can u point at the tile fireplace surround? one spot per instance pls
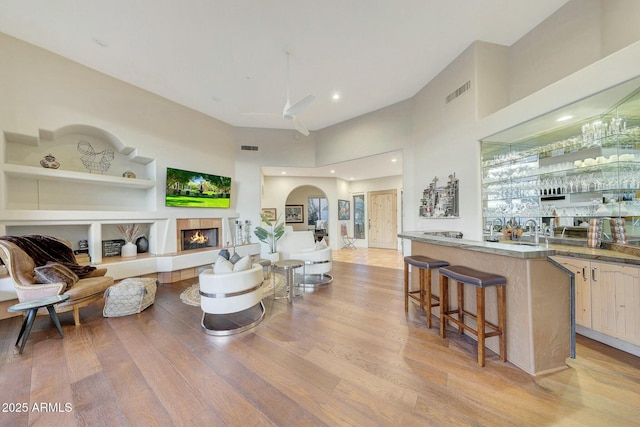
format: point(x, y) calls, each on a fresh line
point(183, 224)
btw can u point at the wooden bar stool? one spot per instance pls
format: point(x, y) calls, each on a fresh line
point(481, 280)
point(423, 295)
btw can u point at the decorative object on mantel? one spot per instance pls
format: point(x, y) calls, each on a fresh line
point(112, 247)
point(247, 232)
point(128, 174)
point(239, 238)
point(49, 161)
point(142, 244)
point(95, 160)
point(440, 202)
point(270, 237)
point(130, 233)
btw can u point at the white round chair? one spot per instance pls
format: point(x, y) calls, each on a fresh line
point(231, 302)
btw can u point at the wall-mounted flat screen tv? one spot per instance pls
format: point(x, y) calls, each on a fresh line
point(187, 189)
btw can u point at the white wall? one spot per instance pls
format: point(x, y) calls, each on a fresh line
point(555, 64)
point(275, 148)
point(43, 91)
point(587, 46)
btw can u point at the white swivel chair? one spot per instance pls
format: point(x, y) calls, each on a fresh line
point(301, 245)
point(231, 302)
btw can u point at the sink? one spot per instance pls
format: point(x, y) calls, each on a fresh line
point(513, 242)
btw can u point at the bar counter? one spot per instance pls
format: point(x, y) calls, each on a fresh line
point(539, 325)
point(540, 303)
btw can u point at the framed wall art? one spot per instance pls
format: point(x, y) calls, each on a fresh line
point(270, 213)
point(294, 213)
point(344, 210)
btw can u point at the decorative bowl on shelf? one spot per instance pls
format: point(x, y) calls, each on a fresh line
point(49, 161)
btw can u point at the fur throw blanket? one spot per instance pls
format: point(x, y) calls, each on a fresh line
point(45, 249)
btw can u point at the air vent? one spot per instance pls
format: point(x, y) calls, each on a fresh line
point(458, 92)
point(249, 147)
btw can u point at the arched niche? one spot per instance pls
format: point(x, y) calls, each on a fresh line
point(62, 143)
point(300, 196)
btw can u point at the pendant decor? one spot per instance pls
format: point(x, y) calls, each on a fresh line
point(99, 161)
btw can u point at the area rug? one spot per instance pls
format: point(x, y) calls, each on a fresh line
point(191, 295)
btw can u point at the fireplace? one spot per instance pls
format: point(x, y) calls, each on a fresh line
point(198, 233)
point(199, 238)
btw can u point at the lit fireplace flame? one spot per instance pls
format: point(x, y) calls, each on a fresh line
point(199, 238)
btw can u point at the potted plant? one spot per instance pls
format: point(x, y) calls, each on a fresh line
point(270, 237)
point(130, 233)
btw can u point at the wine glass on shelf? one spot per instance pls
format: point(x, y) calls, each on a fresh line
point(572, 183)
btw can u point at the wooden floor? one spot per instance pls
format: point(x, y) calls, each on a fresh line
point(344, 354)
point(370, 256)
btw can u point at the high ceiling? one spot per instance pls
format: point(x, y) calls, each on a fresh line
point(226, 58)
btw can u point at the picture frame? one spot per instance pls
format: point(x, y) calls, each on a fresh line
point(294, 214)
point(344, 210)
point(270, 213)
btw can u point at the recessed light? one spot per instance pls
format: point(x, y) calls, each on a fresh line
point(332, 171)
point(351, 179)
point(564, 118)
point(394, 160)
point(284, 172)
point(335, 96)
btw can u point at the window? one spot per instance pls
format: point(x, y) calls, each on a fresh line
point(358, 216)
point(318, 210)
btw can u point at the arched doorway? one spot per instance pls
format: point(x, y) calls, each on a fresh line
point(314, 205)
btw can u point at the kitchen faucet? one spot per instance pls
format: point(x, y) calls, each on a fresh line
point(536, 238)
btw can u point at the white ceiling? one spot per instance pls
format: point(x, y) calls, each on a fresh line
point(225, 58)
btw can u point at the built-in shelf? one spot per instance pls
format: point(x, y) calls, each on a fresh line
point(64, 175)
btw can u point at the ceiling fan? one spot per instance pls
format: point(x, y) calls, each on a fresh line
point(290, 112)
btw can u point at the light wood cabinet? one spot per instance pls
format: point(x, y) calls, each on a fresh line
point(607, 297)
point(582, 292)
point(615, 301)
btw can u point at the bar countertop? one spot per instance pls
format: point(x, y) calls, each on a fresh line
point(523, 249)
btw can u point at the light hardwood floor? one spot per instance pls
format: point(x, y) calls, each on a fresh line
point(344, 354)
point(370, 256)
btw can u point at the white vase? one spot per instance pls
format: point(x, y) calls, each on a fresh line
point(129, 250)
point(273, 257)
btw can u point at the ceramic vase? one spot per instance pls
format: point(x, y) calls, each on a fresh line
point(142, 244)
point(129, 250)
point(273, 257)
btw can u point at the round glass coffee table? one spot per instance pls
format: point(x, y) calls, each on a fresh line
point(288, 266)
point(31, 308)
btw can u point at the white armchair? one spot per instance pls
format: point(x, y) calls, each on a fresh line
point(301, 245)
point(231, 302)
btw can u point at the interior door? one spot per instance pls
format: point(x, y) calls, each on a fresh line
point(383, 218)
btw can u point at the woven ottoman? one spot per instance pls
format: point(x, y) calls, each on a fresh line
point(129, 296)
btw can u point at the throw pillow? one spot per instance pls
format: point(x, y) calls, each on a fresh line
point(242, 264)
point(222, 265)
point(321, 245)
point(224, 253)
point(56, 273)
point(234, 258)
